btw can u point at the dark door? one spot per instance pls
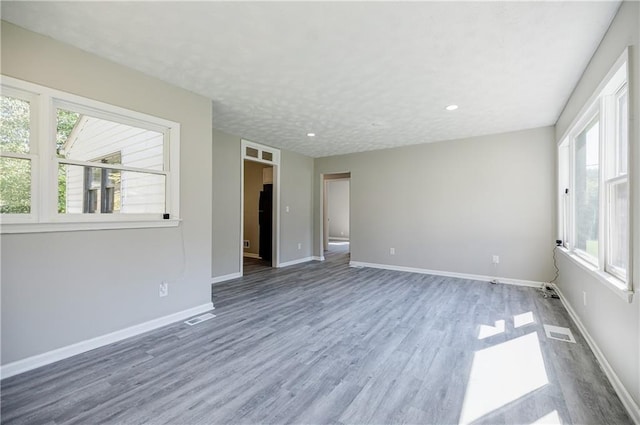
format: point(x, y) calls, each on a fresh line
point(265, 221)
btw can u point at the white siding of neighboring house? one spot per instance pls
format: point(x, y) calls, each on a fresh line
point(95, 138)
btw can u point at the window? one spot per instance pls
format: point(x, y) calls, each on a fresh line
point(594, 191)
point(100, 189)
point(260, 153)
point(68, 160)
point(586, 190)
point(17, 154)
point(617, 191)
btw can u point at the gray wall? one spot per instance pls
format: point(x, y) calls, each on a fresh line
point(612, 322)
point(54, 288)
point(296, 177)
point(226, 219)
point(296, 173)
point(450, 206)
point(338, 208)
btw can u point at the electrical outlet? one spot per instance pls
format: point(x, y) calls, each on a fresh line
point(164, 289)
point(299, 245)
point(496, 259)
point(584, 298)
point(286, 208)
point(392, 251)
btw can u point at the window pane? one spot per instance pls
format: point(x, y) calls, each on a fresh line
point(63, 169)
point(65, 123)
point(586, 190)
point(252, 152)
point(85, 138)
point(14, 125)
point(15, 186)
point(619, 228)
point(267, 156)
point(94, 190)
point(622, 144)
point(143, 193)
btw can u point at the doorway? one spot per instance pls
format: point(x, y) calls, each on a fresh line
point(336, 234)
point(260, 195)
point(257, 243)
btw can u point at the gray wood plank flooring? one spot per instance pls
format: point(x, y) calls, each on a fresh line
point(322, 343)
point(254, 265)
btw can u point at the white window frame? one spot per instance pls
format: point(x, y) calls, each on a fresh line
point(593, 115)
point(610, 181)
point(44, 216)
point(601, 105)
point(32, 156)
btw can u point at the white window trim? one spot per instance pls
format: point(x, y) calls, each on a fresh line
point(44, 216)
point(16, 228)
point(609, 182)
point(32, 156)
point(617, 286)
point(594, 113)
point(260, 148)
point(623, 289)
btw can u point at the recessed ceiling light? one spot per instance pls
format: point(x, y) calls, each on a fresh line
point(311, 134)
point(451, 107)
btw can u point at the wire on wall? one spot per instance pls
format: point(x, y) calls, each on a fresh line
point(548, 290)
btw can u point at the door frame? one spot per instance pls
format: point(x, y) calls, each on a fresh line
point(262, 155)
point(324, 214)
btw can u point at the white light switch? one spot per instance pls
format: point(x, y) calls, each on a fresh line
point(286, 208)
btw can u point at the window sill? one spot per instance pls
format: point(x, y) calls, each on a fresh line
point(15, 228)
point(612, 283)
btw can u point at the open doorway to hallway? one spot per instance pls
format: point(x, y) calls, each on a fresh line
point(336, 221)
point(257, 246)
point(260, 199)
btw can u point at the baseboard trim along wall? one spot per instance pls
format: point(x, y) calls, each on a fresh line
point(517, 282)
point(294, 262)
point(251, 255)
point(53, 356)
point(629, 403)
point(317, 258)
point(226, 277)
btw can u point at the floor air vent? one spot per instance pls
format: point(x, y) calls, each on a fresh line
point(561, 334)
point(200, 319)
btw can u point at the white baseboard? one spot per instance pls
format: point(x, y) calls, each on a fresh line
point(509, 281)
point(293, 262)
point(251, 255)
point(49, 357)
point(225, 277)
point(317, 258)
point(629, 403)
point(335, 238)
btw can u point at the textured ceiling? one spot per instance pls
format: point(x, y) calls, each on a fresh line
point(361, 75)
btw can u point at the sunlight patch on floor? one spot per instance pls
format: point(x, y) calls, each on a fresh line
point(550, 419)
point(523, 319)
point(486, 331)
point(502, 374)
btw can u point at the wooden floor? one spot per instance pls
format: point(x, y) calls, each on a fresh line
point(324, 343)
point(254, 265)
